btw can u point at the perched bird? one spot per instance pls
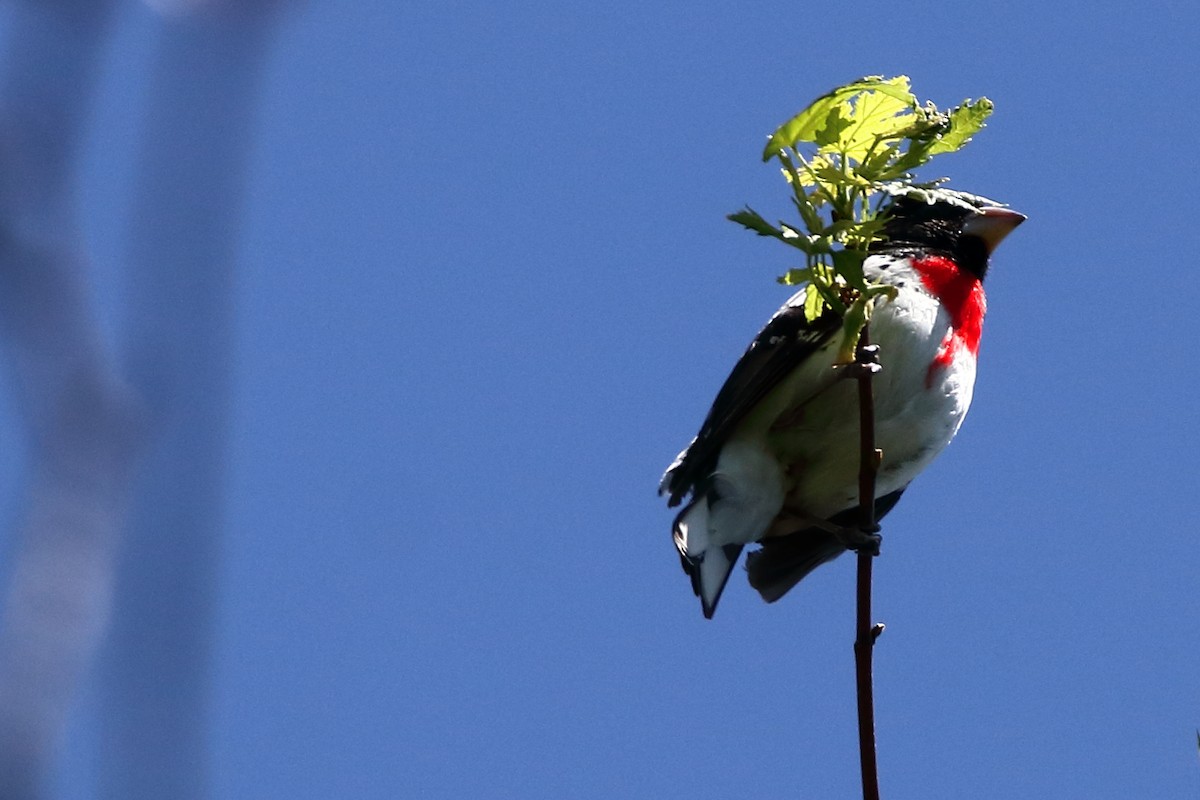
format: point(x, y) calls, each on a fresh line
point(777, 459)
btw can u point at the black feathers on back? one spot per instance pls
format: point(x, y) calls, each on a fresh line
point(779, 348)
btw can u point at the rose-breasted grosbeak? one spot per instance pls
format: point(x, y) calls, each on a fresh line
point(777, 459)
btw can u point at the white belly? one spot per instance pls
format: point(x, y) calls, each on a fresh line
point(918, 409)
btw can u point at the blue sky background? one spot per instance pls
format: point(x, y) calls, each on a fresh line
point(486, 292)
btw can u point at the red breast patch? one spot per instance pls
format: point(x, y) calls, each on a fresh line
point(961, 294)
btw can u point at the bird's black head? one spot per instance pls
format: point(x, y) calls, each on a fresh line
point(966, 234)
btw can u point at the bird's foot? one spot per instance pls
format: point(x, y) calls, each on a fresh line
point(865, 363)
point(860, 540)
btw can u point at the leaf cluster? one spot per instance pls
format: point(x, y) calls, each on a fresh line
point(845, 156)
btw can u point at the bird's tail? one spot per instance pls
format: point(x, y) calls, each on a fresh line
point(784, 561)
point(706, 563)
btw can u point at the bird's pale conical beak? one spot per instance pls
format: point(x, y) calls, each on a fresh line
point(992, 224)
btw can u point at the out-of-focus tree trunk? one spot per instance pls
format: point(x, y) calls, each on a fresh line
point(177, 352)
point(83, 425)
point(80, 422)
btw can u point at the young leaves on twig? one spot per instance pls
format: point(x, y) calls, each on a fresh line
point(845, 156)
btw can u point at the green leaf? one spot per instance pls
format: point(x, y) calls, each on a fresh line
point(876, 165)
point(809, 173)
point(827, 116)
point(875, 117)
point(799, 239)
point(864, 233)
point(814, 303)
point(965, 121)
point(831, 128)
point(749, 218)
point(916, 155)
point(839, 155)
point(794, 277)
point(808, 213)
point(855, 318)
point(849, 264)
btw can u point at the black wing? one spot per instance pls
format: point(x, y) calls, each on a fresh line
point(786, 341)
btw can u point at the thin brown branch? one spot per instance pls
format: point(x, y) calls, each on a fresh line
point(866, 633)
